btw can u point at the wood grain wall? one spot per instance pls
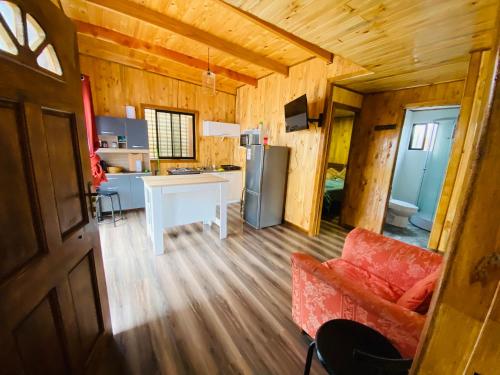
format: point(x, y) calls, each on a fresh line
point(115, 85)
point(341, 139)
point(266, 103)
point(373, 153)
point(462, 337)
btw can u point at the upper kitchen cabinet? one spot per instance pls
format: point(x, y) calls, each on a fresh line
point(112, 126)
point(137, 134)
point(220, 129)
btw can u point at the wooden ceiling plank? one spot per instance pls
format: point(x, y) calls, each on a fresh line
point(295, 40)
point(130, 42)
point(164, 21)
point(136, 65)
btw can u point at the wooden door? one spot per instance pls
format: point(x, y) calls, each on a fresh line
point(54, 308)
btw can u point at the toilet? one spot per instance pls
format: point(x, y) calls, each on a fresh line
point(399, 212)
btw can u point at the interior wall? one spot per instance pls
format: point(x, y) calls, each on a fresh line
point(115, 85)
point(341, 139)
point(373, 153)
point(464, 312)
point(266, 103)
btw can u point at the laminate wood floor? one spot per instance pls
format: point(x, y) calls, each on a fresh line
point(206, 306)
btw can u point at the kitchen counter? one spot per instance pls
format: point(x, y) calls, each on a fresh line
point(125, 173)
point(184, 199)
point(171, 180)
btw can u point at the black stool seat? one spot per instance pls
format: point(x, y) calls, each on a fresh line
point(346, 347)
point(107, 193)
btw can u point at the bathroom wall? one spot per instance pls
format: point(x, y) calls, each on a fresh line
point(409, 178)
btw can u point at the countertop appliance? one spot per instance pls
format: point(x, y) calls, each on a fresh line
point(230, 167)
point(265, 183)
point(221, 168)
point(178, 171)
point(250, 137)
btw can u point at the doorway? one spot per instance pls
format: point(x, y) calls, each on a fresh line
point(336, 169)
point(421, 163)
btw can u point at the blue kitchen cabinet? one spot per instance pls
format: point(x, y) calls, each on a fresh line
point(112, 126)
point(120, 184)
point(137, 190)
point(130, 187)
point(137, 134)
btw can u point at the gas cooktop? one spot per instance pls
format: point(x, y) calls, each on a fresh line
point(222, 168)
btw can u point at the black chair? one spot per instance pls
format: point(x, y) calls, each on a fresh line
point(346, 347)
point(109, 195)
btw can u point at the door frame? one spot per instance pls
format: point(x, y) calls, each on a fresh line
point(420, 106)
point(336, 97)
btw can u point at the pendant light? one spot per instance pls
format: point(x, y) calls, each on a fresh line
point(208, 79)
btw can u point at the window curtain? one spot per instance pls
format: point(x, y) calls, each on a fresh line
point(98, 174)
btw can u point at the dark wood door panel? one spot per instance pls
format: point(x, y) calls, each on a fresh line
point(65, 169)
point(40, 340)
point(85, 300)
point(53, 300)
point(23, 241)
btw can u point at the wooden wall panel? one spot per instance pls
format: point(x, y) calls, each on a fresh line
point(465, 307)
point(373, 153)
point(466, 130)
point(340, 139)
point(115, 85)
point(266, 103)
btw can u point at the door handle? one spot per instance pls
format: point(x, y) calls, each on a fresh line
point(103, 132)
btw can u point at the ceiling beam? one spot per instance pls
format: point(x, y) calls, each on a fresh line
point(107, 51)
point(283, 34)
point(133, 43)
point(174, 25)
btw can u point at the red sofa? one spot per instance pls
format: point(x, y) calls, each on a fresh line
point(381, 282)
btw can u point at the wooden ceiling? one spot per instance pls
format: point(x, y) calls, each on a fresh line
point(404, 43)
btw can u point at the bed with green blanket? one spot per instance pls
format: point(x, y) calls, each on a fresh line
point(333, 191)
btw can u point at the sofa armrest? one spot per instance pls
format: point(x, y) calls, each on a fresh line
point(326, 281)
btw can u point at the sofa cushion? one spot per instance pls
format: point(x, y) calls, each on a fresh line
point(418, 297)
point(365, 279)
point(397, 262)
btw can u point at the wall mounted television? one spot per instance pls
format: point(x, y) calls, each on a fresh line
point(296, 116)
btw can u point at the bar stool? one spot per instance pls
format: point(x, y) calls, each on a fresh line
point(101, 194)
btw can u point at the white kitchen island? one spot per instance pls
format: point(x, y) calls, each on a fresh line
point(180, 200)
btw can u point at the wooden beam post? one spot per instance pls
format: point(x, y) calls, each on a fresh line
point(140, 45)
point(174, 25)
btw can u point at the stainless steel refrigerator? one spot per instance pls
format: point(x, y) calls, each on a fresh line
point(265, 184)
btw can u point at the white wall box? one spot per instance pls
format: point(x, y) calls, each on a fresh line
point(220, 129)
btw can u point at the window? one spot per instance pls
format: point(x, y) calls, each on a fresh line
point(18, 28)
point(171, 134)
point(423, 136)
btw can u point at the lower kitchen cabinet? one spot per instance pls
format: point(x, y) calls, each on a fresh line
point(235, 187)
point(130, 187)
point(137, 190)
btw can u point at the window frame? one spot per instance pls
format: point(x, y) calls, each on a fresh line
point(412, 135)
point(181, 111)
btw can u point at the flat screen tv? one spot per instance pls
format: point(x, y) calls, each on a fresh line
point(296, 114)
